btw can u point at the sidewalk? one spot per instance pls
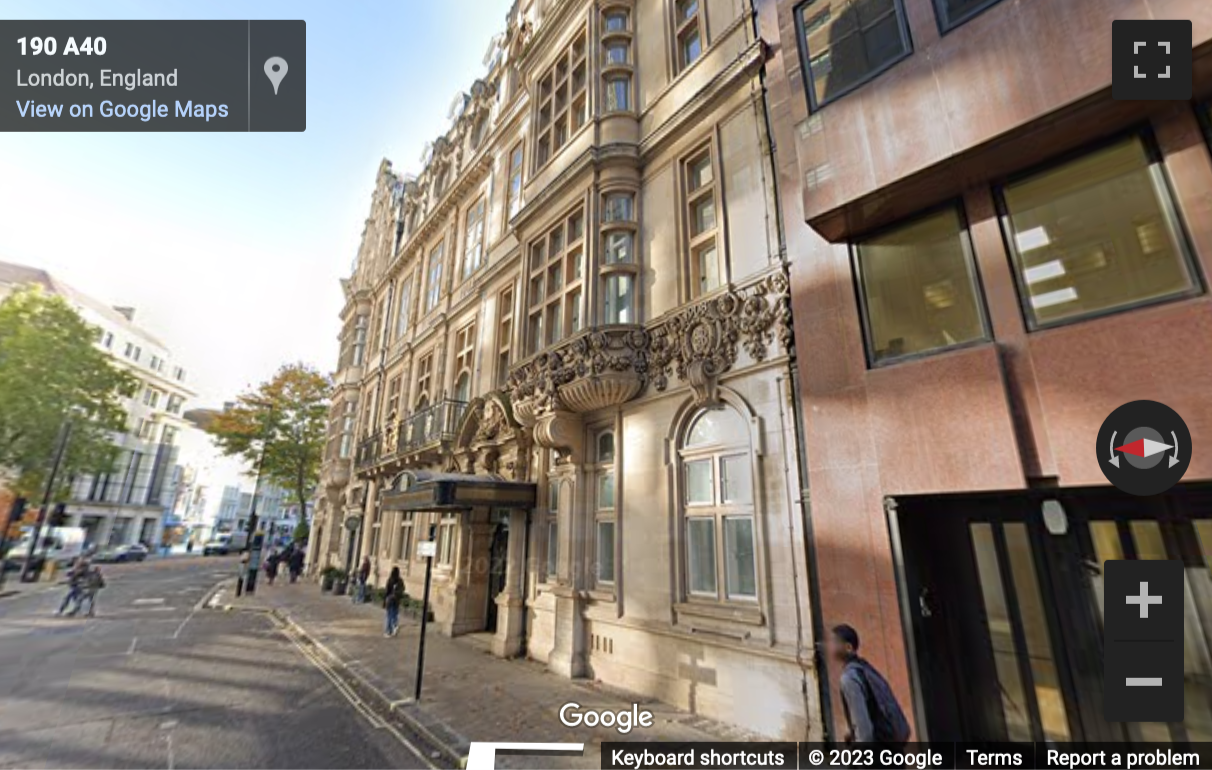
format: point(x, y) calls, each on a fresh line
point(468, 693)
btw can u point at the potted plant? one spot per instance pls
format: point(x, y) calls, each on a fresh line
point(340, 582)
point(328, 577)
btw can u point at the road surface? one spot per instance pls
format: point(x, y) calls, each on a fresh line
point(154, 682)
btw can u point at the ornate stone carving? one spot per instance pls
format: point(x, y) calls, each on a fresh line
point(702, 341)
point(600, 368)
point(609, 366)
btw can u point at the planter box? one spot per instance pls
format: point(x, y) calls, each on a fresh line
point(339, 586)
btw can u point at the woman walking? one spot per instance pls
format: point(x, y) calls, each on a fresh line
point(393, 594)
point(271, 567)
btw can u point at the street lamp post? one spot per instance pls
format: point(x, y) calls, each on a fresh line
point(254, 542)
point(65, 432)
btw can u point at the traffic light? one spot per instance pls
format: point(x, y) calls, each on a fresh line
point(58, 517)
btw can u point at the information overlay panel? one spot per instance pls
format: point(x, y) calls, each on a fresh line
point(639, 755)
point(153, 75)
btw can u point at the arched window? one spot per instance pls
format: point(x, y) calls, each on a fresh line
point(717, 506)
point(463, 388)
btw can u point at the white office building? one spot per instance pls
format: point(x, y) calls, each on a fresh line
point(130, 503)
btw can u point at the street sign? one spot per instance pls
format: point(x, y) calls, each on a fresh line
point(427, 548)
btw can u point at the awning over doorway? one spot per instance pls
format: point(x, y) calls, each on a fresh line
point(431, 491)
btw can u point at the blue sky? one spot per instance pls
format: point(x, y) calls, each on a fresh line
point(231, 245)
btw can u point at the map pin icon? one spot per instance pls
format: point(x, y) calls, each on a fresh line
point(275, 70)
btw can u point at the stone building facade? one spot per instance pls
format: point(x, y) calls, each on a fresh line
point(990, 254)
point(566, 352)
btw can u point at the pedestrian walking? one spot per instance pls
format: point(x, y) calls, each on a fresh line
point(296, 563)
point(393, 595)
point(360, 581)
point(873, 714)
point(76, 578)
point(271, 567)
point(92, 586)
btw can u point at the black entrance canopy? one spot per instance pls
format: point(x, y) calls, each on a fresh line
point(431, 491)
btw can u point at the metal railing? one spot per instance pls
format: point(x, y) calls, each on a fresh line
point(430, 425)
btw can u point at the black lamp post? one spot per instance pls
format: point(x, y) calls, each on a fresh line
point(254, 544)
point(65, 432)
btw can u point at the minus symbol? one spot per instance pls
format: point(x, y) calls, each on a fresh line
point(1143, 681)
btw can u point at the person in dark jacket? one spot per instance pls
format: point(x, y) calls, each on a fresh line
point(393, 595)
point(271, 567)
point(77, 577)
point(296, 563)
point(872, 712)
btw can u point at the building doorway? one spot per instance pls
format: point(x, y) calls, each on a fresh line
point(498, 563)
point(1004, 599)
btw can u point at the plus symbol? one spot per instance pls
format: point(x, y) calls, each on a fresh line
point(1144, 600)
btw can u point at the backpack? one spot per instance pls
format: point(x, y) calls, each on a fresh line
point(887, 719)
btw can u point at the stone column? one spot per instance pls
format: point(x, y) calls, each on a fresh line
point(568, 655)
point(511, 602)
point(371, 515)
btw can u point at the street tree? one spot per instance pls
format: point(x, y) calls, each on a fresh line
point(51, 372)
point(280, 425)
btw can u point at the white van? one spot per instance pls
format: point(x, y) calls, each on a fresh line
point(60, 545)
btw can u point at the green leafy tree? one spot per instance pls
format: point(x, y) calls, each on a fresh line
point(285, 419)
point(50, 371)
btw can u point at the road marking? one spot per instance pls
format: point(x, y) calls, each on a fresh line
point(133, 641)
point(138, 602)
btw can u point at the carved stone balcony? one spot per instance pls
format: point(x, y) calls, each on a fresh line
point(598, 368)
point(608, 366)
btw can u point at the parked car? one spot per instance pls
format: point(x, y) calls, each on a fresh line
point(121, 553)
point(59, 544)
point(222, 545)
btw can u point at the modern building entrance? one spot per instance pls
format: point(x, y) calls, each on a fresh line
point(1002, 598)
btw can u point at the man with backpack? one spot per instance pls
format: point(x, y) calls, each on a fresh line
point(872, 712)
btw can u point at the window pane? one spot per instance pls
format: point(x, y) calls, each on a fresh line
point(619, 300)
point(616, 53)
point(848, 42)
point(616, 21)
point(699, 482)
point(618, 247)
point(718, 426)
point(618, 208)
point(605, 552)
point(955, 11)
point(699, 172)
point(606, 492)
point(703, 215)
point(700, 555)
point(463, 389)
point(740, 572)
point(919, 288)
point(618, 91)
point(606, 447)
point(553, 548)
point(709, 268)
point(736, 482)
point(691, 46)
point(1092, 235)
point(687, 9)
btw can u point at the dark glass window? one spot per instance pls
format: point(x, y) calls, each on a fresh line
point(1096, 234)
point(845, 43)
point(952, 13)
point(918, 287)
